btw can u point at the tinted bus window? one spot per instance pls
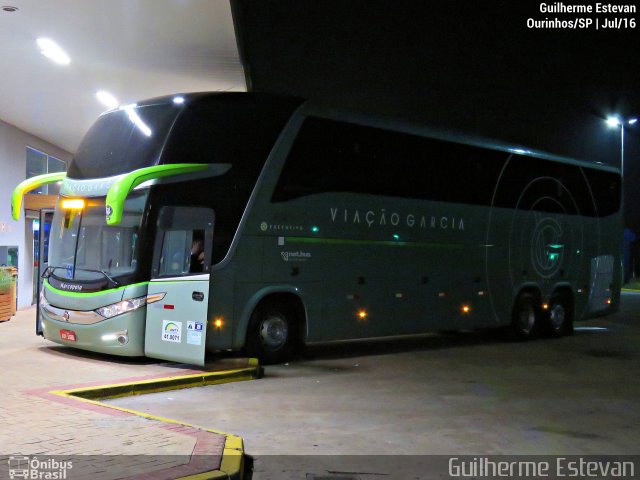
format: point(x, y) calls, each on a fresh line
point(606, 191)
point(535, 184)
point(228, 128)
point(331, 156)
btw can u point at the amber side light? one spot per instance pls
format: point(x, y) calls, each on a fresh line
point(72, 204)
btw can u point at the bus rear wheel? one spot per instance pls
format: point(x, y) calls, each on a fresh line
point(524, 318)
point(559, 320)
point(272, 334)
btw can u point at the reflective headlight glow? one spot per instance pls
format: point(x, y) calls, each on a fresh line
point(126, 306)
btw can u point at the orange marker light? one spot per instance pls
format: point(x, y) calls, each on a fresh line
point(545, 306)
point(72, 204)
point(362, 314)
point(608, 301)
point(217, 322)
point(465, 309)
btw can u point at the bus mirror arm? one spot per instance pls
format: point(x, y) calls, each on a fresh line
point(31, 184)
point(118, 192)
point(47, 272)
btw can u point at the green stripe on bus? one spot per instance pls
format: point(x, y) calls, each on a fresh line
point(89, 294)
point(388, 243)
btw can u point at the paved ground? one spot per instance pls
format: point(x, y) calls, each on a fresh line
point(454, 394)
point(457, 394)
point(35, 422)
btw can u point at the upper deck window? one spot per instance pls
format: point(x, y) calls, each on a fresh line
point(235, 128)
point(333, 156)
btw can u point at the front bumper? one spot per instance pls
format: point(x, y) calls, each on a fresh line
point(98, 336)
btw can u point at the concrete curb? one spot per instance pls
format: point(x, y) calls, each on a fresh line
point(118, 390)
point(232, 459)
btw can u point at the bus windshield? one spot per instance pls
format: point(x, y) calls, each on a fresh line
point(123, 140)
point(83, 247)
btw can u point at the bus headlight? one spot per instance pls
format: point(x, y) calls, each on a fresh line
point(128, 305)
point(121, 307)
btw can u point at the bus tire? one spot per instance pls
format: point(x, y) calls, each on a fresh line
point(273, 332)
point(559, 319)
point(525, 318)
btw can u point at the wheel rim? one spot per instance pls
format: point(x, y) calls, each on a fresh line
point(274, 331)
point(557, 317)
point(526, 319)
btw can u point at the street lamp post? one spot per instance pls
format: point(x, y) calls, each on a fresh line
point(617, 122)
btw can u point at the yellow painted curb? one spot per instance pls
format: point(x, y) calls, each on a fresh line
point(232, 460)
point(118, 390)
point(634, 290)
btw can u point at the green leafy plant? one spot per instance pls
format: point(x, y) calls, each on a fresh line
point(6, 280)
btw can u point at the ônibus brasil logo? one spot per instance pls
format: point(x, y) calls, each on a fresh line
point(33, 468)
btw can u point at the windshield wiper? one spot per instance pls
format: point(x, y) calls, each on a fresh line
point(112, 283)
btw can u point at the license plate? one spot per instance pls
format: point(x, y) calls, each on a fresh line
point(68, 335)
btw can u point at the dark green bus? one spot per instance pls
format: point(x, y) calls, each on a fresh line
point(223, 221)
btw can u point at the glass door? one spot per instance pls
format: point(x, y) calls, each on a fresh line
point(41, 256)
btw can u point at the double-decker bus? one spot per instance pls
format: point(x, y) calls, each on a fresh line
point(223, 221)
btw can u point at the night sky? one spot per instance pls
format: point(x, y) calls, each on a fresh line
point(472, 67)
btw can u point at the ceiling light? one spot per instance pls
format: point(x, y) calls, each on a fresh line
point(135, 118)
point(107, 99)
point(179, 100)
point(52, 51)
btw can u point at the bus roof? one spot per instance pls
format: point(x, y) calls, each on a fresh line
point(311, 108)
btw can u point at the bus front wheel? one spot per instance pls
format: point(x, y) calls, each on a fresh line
point(272, 333)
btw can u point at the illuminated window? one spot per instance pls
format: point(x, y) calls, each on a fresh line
point(39, 163)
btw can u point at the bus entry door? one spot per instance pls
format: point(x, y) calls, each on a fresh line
point(42, 259)
point(176, 324)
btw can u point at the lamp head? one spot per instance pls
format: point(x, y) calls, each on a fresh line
point(613, 121)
